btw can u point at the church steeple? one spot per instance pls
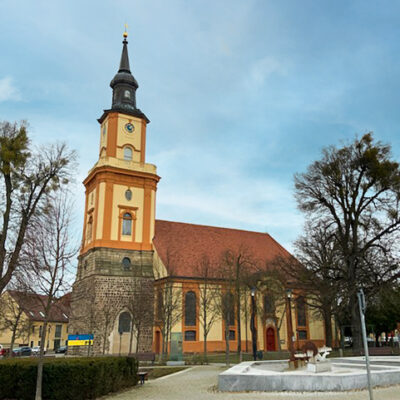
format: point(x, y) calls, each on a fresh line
point(124, 87)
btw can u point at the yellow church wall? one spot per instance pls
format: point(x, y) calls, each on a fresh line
point(131, 139)
point(159, 269)
point(152, 214)
point(103, 135)
point(119, 201)
point(100, 214)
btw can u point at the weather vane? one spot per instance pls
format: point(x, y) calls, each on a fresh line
point(125, 31)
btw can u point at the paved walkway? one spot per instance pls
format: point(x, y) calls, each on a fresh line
point(199, 383)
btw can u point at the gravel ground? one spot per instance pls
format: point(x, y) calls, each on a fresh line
point(199, 383)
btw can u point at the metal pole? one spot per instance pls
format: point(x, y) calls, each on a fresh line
point(361, 304)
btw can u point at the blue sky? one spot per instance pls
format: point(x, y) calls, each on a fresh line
point(241, 94)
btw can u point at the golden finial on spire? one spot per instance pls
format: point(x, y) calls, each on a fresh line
point(125, 34)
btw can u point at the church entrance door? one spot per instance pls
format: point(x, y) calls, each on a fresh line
point(271, 339)
point(158, 342)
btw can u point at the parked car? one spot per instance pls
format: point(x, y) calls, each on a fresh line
point(22, 351)
point(36, 350)
point(3, 351)
point(62, 349)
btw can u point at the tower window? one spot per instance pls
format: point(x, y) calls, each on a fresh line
point(127, 224)
point(89, 229)
point(126, 263)
point(127, 94)
point(127, 153)
point(128, 195)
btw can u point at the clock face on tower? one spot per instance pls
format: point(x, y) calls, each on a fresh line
point(129, 127)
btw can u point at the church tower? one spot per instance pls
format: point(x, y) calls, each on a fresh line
point(115, 262)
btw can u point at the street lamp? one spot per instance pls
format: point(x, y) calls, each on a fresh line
point(253, 323)
point(292, 359)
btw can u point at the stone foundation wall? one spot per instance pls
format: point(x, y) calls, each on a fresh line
point(104, 288)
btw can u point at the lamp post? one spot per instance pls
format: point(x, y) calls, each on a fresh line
point(292, 360)
point(253, 323)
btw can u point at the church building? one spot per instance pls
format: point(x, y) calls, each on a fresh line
point(128, 259)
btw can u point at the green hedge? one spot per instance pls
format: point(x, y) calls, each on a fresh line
point(67, 378)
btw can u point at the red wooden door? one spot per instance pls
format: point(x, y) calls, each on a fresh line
point(271, 339)
point(158, 344)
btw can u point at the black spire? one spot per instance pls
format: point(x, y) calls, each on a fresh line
point(124, 87)
point(124, 64)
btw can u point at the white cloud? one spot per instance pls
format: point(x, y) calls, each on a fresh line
point(7, 90)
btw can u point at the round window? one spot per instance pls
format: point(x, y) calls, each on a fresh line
point(126, 263)
point(128, 195)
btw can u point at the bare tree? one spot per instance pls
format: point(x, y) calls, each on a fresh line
point(208, 293)
point(226, 301)
point(356, 188)
point(242, 264)
point(28, 177)
point(104, 323)
point(48, 255)
point(168, 310)
point(271, 286)
point(318, 270)
point(140, 306)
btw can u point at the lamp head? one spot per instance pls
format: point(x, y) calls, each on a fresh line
point(289, 293)
point(253, 291)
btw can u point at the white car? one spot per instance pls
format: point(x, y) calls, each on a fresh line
point(36, 350)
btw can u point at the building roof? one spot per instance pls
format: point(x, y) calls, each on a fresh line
point(182, 246)
point(33, 306)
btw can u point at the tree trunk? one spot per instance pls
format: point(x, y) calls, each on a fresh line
point(205, 345)
point(130, 339)
point(355, 324)
point(328, 328)
point(227, 342)
point(246, 320)
point(12, 343)
point(39, 378)
point(238, 319)
point(138, 339)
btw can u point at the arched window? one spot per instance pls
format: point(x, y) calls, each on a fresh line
point(190, 336)
point(124, 324)
point(301, 311)
point(89, 229)
point(190, 309)
point(127, 224)
point(127, 94)
point(228, 308)
point(269, 306)
point(127, 153)
point(126, 263)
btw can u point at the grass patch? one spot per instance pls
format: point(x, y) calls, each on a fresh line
point(155, 373)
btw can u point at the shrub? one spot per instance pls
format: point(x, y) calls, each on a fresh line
point(67, 378)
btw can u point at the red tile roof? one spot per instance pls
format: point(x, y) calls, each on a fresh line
point(181, 246)
point(33, 306)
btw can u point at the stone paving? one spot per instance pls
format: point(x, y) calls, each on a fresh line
point(199, 383)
